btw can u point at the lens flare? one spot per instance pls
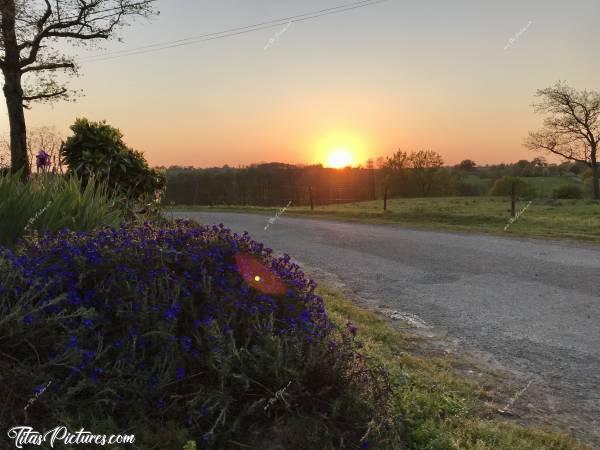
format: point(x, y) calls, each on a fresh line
point(258, 275)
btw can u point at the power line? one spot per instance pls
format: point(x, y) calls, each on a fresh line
point(230, 32)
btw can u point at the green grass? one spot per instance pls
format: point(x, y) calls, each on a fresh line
point(545, 186)
point(445, 410)
point(545, 218)
point(51, 203)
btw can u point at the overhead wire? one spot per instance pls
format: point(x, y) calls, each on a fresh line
point(228, 33)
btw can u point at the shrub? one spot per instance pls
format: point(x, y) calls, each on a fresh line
point(192, 325)
point(466, 188)
point(568, 191)
point(503, 186)
point(97, 149)
point(51, 203)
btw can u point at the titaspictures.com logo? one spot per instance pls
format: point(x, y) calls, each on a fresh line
point(23, 435)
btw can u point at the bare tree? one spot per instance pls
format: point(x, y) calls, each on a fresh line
point(572, 129)
point(29, 55)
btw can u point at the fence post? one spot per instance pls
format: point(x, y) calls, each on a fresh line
point(385, 197)
point(513, 211)
point(312, 205)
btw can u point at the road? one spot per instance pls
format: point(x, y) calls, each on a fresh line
point(531, 305)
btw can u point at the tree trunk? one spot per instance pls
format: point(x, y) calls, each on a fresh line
point(13, 91)
point(595, 182)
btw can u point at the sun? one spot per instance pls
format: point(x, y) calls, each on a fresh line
point(340, 158)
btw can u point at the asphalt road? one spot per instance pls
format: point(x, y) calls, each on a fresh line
point(531, 305)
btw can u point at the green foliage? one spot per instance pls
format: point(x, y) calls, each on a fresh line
point(51, 203)
point(568, 191)
point(96, 149)
point(503, 186)
point(190, 445)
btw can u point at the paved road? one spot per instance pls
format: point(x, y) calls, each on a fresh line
point(534, 306)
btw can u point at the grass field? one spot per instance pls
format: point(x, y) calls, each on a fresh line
point(545, 218)
point(446, 410)
point(545, 186)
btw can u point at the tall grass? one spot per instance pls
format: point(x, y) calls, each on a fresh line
point(52, 203)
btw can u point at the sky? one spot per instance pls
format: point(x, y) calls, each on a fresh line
point(457, 77)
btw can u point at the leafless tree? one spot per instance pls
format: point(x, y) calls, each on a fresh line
point(572, 129)
point(31, 58)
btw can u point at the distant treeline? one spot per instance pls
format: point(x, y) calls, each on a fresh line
point(276, 184)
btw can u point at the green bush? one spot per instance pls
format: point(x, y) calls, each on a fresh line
point(503, 187)
point(568, 191)
point(51, 203)
point(96, 149)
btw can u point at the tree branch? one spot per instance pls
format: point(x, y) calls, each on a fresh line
point(44, 96)
point(49, 66)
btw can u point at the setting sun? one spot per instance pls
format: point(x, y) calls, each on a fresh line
point(340, 158)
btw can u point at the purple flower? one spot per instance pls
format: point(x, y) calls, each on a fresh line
point(180, 373)
point(73, 341)
point(186, 343)
point(95, 374)
point(43, 160)
point(353, 329)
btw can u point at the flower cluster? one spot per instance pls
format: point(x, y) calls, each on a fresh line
point(179, 319)
point(43, 160)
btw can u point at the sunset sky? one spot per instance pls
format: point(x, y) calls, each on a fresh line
point(433, 74)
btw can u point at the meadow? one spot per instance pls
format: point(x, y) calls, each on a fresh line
point(576, 219)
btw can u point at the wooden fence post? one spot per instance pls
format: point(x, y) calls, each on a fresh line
point(385, 197)
point(513, 211)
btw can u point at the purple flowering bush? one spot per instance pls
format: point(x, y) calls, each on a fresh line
point(190, 329)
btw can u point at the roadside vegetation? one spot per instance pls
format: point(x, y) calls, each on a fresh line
point(435, 406)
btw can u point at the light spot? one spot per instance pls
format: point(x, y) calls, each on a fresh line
point(257, 278)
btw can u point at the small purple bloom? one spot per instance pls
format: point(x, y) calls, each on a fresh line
point(186, 343)
point(95, 374)
point(43, 160)
point(73, 342)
